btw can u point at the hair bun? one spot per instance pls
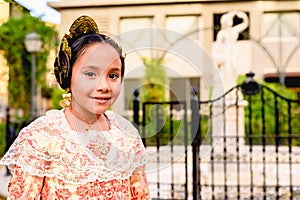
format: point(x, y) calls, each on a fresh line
point(83, 25)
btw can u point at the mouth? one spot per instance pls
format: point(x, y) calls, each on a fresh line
point(102, 99)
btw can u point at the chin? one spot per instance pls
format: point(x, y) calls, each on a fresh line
point(100, 110)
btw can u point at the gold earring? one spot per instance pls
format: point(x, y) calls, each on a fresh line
point(67, 99)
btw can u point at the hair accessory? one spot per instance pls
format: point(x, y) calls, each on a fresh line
point(65, 45)
point(67, 99)
point(83, 25)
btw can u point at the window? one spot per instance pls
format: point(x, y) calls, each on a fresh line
point(129, 86)
point(244, 35)
point(187, 25)
point(180, 88)
point(133, 23)
point(281, 25)
point(137, 35)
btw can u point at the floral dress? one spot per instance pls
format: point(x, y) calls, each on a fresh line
point(49, 160)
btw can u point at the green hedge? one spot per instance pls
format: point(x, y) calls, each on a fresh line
point(263, 128)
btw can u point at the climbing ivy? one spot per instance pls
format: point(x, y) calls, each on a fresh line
point(12, 34)
point(155, 80)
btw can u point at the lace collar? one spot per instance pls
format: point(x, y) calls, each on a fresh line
point(49, 147)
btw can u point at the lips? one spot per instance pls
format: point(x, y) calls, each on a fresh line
point(102, 99)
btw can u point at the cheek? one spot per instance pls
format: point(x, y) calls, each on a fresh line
point(79, 85)
point(78, 91)
point(73, 80)
point(117, 89)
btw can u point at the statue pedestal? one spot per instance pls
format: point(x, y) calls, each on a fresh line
point(228, 125)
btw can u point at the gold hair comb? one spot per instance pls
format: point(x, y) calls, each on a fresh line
point(81, 26)
point(65, 45)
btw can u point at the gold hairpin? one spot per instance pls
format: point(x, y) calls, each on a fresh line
point(65, 45)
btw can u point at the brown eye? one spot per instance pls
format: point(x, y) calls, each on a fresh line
point(113, 76)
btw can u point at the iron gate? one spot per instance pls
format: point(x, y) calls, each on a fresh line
point(164, 133)
point(250, 150)
point(242, 145)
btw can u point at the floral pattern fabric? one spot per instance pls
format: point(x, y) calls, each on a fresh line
point(49, 160)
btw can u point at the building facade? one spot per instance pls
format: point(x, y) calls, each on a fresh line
point(184, 32)
point(4, 15)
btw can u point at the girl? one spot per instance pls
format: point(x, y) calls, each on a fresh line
point(83, 151)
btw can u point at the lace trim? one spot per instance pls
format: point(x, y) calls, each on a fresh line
point(49, 147)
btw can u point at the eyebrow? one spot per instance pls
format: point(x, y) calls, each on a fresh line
point(115, 69)
point(97, 68)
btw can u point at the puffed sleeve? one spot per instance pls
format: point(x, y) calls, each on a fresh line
point(23, 185)
point(139, 185)
point(29, 161)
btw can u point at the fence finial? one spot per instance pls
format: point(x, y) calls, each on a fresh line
point(194, 92)
point(136, 93)
point(250, 86)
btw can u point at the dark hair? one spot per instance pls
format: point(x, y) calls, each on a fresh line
point(64, 62)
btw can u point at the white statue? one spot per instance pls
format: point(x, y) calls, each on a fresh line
point(224, 50)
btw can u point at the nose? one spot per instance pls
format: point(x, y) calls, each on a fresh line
point(103, 85)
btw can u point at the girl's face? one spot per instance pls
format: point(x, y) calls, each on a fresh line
point(96, 79)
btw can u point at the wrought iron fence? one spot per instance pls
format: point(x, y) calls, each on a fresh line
point(242, 145)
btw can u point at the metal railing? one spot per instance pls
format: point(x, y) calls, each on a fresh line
point(242, 145)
